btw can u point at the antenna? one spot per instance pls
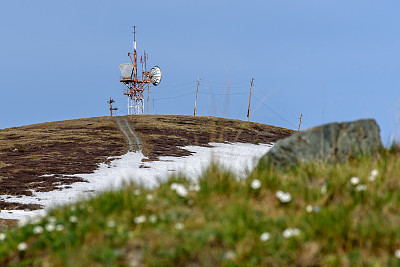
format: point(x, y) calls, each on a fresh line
point(144, 59)
point(248, 109)
point(111, 107)
point(155, 75)
point(134, 38)
point(135, 86)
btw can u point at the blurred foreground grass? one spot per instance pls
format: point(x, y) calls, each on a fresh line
point(312, 215)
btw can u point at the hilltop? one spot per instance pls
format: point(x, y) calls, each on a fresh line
point(314, 214)
point(43, 157)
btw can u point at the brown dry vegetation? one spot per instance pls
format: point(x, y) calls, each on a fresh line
point(62, 149)
point(57, 148)
point(164, 135)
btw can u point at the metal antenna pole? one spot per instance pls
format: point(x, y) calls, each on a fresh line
point(145, 61)
point(134, 51)
point(197, 90)
point(128, 105)
point(248, 109)
point(134, 35)
point(111, 107)
point(148, 97)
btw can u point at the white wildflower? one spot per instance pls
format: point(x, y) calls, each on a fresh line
point(283, 197)
point(52, 219)
point(73, 208)
point(287, 233)
point(290, 232)
point(42, 213)
point(22, 246)
point(230, 255)
point(397, 253)
point(2, 236)
point(149, 197)
point(324, 188)
point(136, 192)
point(181, 190)
point(255, 184)
point(50, 227)
point(296, 231)
point(173, 186)
point(194, 187)
point(373, 175)
point(286, 198)
point(374, 172)
point(361, 187)
point(60, 227)
point(354, 180)
point(179, 226)
point(309, 208)
point(279, 193)
point(265, 236)
point(24, 221)
point(37, 229)
point(36, 220)
point(153, 218)
point(73, 219)
point(111, 224)
point(140, 219)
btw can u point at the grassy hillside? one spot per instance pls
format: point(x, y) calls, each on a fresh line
point(312, 215)
point(43, 157)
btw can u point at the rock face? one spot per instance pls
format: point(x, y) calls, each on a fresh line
point(334, 142)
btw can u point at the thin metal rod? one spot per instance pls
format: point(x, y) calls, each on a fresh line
point(111, 108)
point(248, 109)
point(148, 97)
point(128, 104)
point(195, 101)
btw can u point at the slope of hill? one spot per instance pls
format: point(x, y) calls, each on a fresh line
point(312, 215)
point(43, 157)
point(343, 214)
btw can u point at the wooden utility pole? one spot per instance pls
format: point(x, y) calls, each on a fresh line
point(248, 109)
point(195, 102)
point(301, 115)
point(111, 107)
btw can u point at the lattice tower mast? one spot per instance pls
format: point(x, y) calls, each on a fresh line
point(136, 86)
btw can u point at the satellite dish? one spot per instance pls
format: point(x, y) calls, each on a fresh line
point(126, 70)
point(155, 75)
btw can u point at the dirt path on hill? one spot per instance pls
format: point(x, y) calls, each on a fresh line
point(132, 139)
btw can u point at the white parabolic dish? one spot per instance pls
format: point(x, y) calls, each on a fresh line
point(155, 75)
point(126, 70)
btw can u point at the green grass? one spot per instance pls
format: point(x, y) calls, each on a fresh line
point(220, 222)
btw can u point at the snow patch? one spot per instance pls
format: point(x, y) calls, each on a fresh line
point(237, 157)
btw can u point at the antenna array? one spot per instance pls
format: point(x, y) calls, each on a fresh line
point(135, 85)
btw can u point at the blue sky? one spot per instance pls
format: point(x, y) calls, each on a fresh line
point(329, 60)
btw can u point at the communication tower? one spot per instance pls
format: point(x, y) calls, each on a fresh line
point(137, 85)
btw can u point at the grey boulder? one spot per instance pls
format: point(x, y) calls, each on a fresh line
point(334, 142)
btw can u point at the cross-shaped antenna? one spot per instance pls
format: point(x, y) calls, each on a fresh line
point(111, 107)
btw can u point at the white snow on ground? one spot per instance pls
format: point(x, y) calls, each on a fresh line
point(238, 157)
